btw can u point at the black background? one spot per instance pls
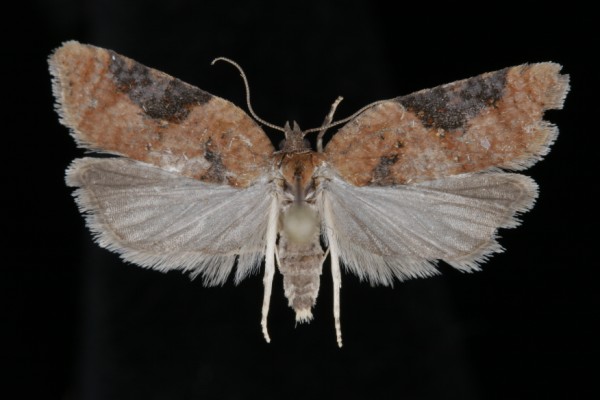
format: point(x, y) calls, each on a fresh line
point(83, 325)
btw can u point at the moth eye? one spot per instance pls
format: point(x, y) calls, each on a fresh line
point(281, 144)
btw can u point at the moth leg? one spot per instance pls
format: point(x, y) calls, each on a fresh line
point(335, 268)
point(324, 257)
point(268, 282)
point(277, 257)
point(269, 265)
point(337, 285)
point(327, 121)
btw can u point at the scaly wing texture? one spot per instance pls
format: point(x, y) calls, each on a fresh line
point(115, 105)
point(493, 120)
point(163, 220)
point(401, 231)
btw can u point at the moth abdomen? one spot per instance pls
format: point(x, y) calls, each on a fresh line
point(300, 264)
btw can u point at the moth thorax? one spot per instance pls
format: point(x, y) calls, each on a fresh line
point(300, 223)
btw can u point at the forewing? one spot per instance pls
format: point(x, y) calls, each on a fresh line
point(115, 105)
point(163, 220)
point(492, 120)
point(401, 231)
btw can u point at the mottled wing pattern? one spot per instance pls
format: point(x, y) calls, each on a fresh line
point(115, 105)
point(163, 220)
point(400, 232)
point(493, 120)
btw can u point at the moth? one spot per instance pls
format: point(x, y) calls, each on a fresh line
point(196, 184)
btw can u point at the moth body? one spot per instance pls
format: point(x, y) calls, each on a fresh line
point(300, 263)
point(299, 247)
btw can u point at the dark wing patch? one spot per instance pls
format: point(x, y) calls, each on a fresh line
point(157, 94)
point(451, 106)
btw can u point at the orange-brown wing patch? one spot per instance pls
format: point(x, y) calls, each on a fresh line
point(115, 105)
point(492, 120)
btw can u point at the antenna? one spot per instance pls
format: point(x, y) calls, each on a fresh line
point(326, 123)
point(247, 86)
point(341, 121)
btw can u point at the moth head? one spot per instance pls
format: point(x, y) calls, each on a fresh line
point(294, 141)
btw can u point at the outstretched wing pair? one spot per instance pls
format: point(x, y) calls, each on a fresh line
point(408, 182)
